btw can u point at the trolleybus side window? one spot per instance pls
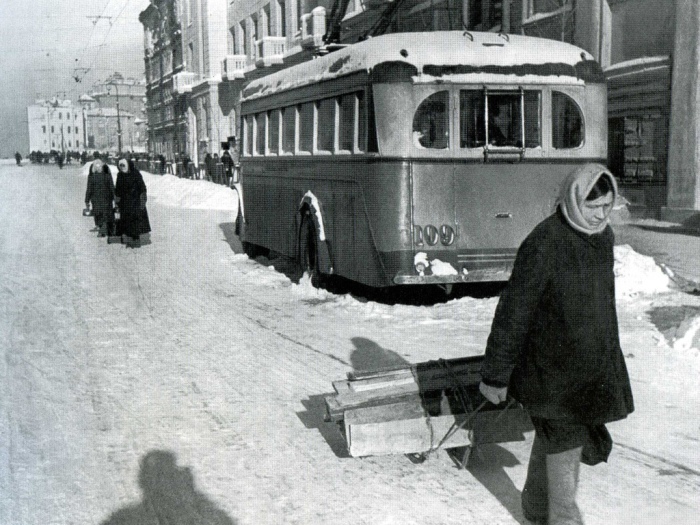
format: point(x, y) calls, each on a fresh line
point(505, 118)
point(431, 122)
point(248, 134)
point(346, 122)
point(273, 137)
point(260, 133)
point(325, 125)
point(289, 129)
point(366, 127)
point(306, 127)
point(567, 122)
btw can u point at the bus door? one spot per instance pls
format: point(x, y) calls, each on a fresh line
point(499, 196)
point(433, 176)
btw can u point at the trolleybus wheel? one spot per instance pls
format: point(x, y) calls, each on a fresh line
point(308, 251)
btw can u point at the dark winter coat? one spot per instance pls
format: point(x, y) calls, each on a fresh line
point(100, 192)
point(131, 198)
point(554, 339)
point(227, 161)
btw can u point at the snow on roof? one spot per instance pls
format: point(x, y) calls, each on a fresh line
point(483, 57)
point(86, 98)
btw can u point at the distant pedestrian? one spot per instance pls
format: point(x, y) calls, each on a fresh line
point(208, 166)
point(18, 158)
point(131, 199)
point(218, 173)
point(59, 159)
point(100, 192)
point(554, 344)
point(227, 161)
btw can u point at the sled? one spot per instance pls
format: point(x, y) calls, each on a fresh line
point(419, 409)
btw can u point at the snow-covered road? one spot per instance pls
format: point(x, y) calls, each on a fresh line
point(183, 379)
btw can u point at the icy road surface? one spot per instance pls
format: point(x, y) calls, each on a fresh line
point(181, 383)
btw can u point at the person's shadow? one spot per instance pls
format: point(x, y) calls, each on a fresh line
point(487, 464)
point(368, 355)
point(169, 497)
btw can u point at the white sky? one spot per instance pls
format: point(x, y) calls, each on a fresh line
point(42, 42)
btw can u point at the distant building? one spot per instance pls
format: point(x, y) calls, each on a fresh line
point(129, 93)
point(166, 114)
point(102, 129)
point(55, 125)
point(204, 41)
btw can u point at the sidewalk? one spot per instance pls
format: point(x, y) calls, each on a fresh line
point(674, 245)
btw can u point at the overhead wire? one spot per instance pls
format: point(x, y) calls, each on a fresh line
point(112, 24)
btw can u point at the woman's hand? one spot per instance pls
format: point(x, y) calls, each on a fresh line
point(495, 395)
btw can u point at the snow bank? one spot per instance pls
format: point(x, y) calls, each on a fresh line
point(168, 190)
point(637, 274)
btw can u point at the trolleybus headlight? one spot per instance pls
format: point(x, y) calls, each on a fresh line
point(431, 235)
point(447, 235)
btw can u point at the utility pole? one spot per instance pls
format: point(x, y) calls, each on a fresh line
point(119, 122)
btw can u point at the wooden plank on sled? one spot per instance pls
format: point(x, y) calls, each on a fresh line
point(337, 404)
point(370, 434)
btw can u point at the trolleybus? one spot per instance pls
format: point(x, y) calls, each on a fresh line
point(416, 158)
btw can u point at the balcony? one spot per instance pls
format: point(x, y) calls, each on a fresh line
point(313, 28)
point(270, 50)
point(234, 66)
point(183, 82)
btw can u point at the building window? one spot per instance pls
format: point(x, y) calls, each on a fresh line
point(76, 130)
point(52, 130)
point(60, 116)
point(246, 41)
point(535, 7)
point(282, 11)
point(77, 143)
point(43, 129)
point(267, 21)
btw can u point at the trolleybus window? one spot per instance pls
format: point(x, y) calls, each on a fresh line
point(366, 131)
point(260, 133)
point(325, 135)
point(431, 122)
point(346, 122)
point(506, 115)
point(567, 122)
point(273, 137)
point(306, 127)
point(248, 134)
point(288, 129)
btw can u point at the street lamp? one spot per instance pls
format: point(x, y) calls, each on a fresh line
point(119, 121)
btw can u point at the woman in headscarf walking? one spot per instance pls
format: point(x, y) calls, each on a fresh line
point(554, 344)
point(100, 192)
point(131, 199)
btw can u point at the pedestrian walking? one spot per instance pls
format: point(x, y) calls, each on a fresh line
point(100, 193)
point(208, 166)
point(18, 158)
point(227, 161)
point(554, 344)
point(130, 195)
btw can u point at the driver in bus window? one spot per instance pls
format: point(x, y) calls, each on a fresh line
point(426, 133)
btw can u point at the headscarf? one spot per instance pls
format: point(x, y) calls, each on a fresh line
point(574, 191)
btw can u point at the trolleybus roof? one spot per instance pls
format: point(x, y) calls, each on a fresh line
point(448, 56)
